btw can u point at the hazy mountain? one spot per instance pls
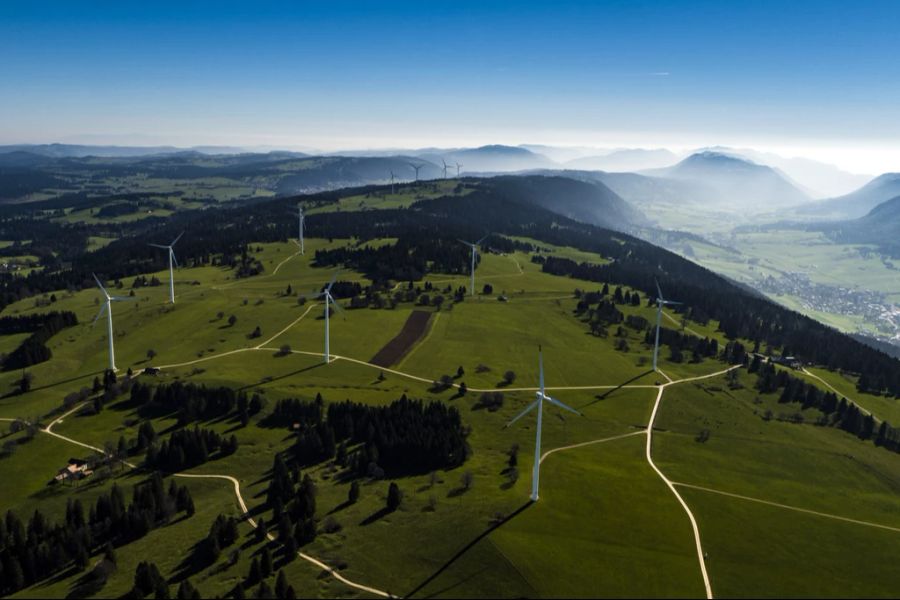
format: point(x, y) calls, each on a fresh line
point(638, 190)
point(561, 154)
point(585, 201)
point(735, 182)
point(820, 180)
point(856, 204)
point(629, 159)
point(881, 226)
point(487, 158)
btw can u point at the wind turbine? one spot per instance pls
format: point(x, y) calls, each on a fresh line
point(457, 170)
point(300, 219)
point(474, 247)
point(539, 404)
point(660, 302)
point(107, 306)
point(445, 168)
point(171, 269)
point(416, 168)
point(392, 183)
point(326, 293)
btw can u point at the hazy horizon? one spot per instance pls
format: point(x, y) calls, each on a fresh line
point(803, 79)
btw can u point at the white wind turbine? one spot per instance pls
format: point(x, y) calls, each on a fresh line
point(539, 404)
point(300, 220)
point(457, 170)
point(172, 259)
point(416, 169)
point(474, 247)
point(660, 302)
point(326, 293)
point(392, 183)
point(445, 168)
point(107, 306)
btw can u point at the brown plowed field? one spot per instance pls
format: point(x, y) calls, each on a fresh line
point(413, 330)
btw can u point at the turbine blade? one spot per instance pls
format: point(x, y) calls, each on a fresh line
point(175, 260)
point(528, 409)
point(158, 246)
point(176, 239)
point(560, 404)
point(671, 302)
point(469, 244)
point(333, 279)
point(541, 367)
point(100, 285)
point(482, 239)
point(99, 314)
point(659, 295)
point(337, 306)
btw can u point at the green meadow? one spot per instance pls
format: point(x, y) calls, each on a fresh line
point(606, 524)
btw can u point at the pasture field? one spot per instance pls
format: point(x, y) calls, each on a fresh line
point(606, 524)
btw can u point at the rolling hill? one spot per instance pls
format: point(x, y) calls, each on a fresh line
point(628, 159)
point(495, 157)
point(585, 201)
point(855, 204)
point(881, 226)
point(736, 183)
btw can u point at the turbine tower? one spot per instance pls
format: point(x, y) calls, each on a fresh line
point(416, 169)
point(474, 247)
point(107, 306)
point(539, 404)
point(300, 219)
point(326, 293)
point(172, 260)
point(660, 302)
point(457, 170)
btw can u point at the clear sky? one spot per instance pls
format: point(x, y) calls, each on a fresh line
point(817, 78)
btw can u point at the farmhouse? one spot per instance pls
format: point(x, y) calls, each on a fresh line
point(76, 470)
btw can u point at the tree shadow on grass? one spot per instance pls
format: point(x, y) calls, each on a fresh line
point(280, 377)
point(607, 393)
point(493, 527)
point(375, 516)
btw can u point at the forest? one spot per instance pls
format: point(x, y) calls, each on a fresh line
point(222, 236)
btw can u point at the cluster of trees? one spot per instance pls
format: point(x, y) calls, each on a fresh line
point(837, 412)
point(194, 402)
point(33, 551)
point(683, 343)
point(222, 534)
point(410, 258)
point(188, 448)
point(33, 349)
point(404, 437)
point(292, 497)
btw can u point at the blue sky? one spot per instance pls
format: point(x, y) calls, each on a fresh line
point(820, 76)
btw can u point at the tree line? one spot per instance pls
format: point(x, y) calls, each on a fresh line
point(406, 436)
point(33, 550)
point(33, 349)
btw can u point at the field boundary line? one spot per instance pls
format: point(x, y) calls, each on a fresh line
point(787, 506)
point(590, 443)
